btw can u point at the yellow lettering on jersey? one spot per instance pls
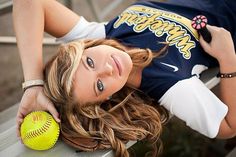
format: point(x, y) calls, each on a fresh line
point(168, 15)
point(153, 19)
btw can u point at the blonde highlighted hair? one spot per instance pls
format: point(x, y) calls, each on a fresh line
point(129, 115)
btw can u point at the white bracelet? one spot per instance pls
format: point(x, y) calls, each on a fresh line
point(32, 83)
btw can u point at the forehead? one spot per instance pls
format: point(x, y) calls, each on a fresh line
point(100, 49)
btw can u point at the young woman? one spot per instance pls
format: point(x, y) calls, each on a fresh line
point(106, 88)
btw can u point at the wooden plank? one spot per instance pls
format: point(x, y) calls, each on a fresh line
point(209, 78)
point(6, 7)
point(12, 40)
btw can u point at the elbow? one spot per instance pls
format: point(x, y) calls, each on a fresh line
point(226, 136)
point(226, 131)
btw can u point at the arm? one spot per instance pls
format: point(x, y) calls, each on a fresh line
point(222, 48)
point(31, 18)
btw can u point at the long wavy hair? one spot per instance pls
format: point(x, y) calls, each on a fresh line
point(129, 116)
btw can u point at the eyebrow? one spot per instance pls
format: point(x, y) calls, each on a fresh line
point(86, 67)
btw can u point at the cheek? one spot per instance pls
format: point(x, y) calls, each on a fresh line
point(127, 58)
point(128, 63)
point(121, 82)
point(114, 86)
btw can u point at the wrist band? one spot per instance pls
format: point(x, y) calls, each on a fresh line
point(226, 75)
point(32, 83)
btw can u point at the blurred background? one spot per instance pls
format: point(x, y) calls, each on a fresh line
point(178, 140)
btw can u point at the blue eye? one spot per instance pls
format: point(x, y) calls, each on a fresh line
point(100, 85)
point(90, 62)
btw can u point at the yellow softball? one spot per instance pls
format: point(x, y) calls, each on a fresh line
point(39, 131)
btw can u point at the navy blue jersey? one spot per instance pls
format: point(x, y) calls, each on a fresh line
point(151, 24)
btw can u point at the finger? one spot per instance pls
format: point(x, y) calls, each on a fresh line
point(211, 28)
point(18, 121)
point(53, 111)
point(18, 133)
point(20, 115)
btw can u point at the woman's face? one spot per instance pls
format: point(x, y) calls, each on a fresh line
point(103, 70)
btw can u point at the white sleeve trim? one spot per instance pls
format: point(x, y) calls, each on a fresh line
point(84, 30)
point(191, 101)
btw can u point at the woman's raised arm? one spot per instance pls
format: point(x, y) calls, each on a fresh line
point(31, 19)
point(222, 48)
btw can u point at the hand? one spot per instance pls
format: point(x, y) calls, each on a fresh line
point(221, 47)
point(32, 100)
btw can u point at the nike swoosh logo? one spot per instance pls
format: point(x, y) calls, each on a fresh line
point(175, 68)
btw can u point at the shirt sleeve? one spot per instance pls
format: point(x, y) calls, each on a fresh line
point(84, 30)
point(191, 101)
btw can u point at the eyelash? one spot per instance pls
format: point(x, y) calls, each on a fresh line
point(99, 84)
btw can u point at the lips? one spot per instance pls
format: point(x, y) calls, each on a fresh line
point(118, 66)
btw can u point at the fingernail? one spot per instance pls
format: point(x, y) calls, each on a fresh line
point(19, 138)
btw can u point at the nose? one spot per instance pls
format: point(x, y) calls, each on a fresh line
point(106, 70)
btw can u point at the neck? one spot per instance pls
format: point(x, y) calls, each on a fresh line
point(135, 77)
